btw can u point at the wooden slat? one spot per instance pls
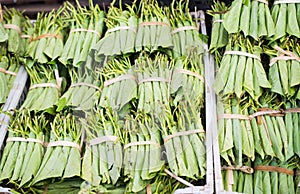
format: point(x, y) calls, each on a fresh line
point(216, 151)
point(34, 8)
point(210, 117)
point(13, 101)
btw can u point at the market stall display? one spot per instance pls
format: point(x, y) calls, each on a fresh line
point(103, 111)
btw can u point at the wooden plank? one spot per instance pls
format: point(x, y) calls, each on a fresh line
point(12, 102)
point(191, 190)
point(219, 187)
point(216, 151)
point(35, 8)
point(209, 109)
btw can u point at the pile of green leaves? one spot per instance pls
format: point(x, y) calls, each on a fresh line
point(266, 135)
point(260, 181)
point(41, 98)
point(236, 137)
point(84, 90)
point(46, 43)
point(118, 93)
point(240, 74)
point(102, 162)
point(251, 17)
point(239, 180)
point(185, 35)
point(154, 31)
point(86, 28)
point(292, 121)
point(154, 76)
point(61, 162)
point(219, 36)
point(187, 80)
point(121, 32)
point(274, 182)
point(186, 154)
point(21, 160)
point(142, 163)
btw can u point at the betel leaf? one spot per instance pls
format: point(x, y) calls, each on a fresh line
point(240, 73)
point(292, 27)
point(261, 75)
point(223, 74)
point(3, 33)
point(283, 72)
point(295, 73)
point(275, 79)
point(257, 139)
point(232, 18)
point(244, 24)
point(280, 24)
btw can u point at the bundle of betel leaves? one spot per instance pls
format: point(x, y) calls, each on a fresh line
point(219, 36)
point(284, 70)
point(238, 179)
point(188, 79)
point(154, 31)
point(62, 158)
point(9, 66)
point(292, 121)
point(184, 140)
point(84, 90)
point(266, 134)
point(13, 23)
point(153, 76)
point(263, 176)
point(103, 156)
point(121, 32)
point(142, 151)
point(252, 17)
point(86, 28)
point(241, 70)
point(23, 151)
point(124, 136)
point(46, 41)
point(236, 137)
point(185, 32)
point(44, 90)
point(286, 17)
point(119, 85)
point(249, 129)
